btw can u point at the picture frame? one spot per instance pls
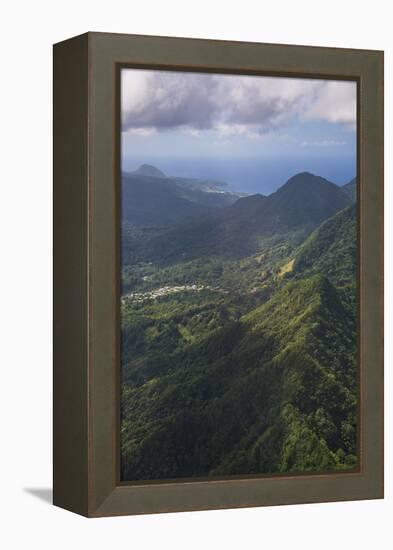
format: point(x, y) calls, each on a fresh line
point(86, 477)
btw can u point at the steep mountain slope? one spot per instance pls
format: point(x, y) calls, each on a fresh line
point(331, 249)
point(350, 189)
point(304, 199)
point(250, 223)
point(253, 396)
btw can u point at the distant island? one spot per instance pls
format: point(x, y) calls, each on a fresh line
point(149, 170)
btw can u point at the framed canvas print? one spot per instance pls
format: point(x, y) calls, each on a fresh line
point(218, 274)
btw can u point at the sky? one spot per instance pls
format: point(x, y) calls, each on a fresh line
point(206, 121)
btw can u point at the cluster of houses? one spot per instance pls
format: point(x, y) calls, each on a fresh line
point(159, 292)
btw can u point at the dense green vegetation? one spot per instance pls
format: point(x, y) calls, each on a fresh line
point(332, 249)
point(350, 189)
point(241, 360)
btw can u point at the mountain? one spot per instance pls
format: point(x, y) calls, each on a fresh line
point(305, 199)
point(241, 229)
point(239, 335)
point(151, 199)
point(331, 249)
point(350, 189)
point(149, 170)
point(248, 206)
point(252, 397)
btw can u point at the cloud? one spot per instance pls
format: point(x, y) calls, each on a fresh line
point(165, 100)
point(140, 131)
point(336, 102)
point(229, 104)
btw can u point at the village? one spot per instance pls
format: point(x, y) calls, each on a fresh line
point(160, 292)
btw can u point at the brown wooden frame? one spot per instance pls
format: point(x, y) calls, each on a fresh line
point(86, 276)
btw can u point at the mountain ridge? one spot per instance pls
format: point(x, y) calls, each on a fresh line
point(150, 198)
point(283, 379)
point(331, 249)
point(300, 205)
point(350, 189)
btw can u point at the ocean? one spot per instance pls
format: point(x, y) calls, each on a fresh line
point(250, 175)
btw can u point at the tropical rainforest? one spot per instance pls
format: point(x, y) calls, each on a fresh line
point(238, 328)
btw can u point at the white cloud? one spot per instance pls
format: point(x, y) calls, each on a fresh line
point(149, 131)
point(335, 102)
point(229, 104)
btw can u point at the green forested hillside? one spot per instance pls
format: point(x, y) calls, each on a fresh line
point(331, 249)
point(305, 198)
point(244, 363)
point(350, 189)
point(267, 392)
point(247, 226)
